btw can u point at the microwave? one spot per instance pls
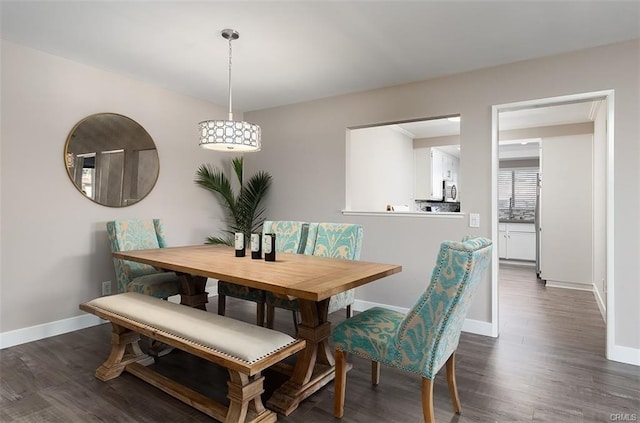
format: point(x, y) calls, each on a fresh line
point(449, 191)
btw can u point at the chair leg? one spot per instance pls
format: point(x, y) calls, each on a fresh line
point(222, 304)
point(349, 312)
point(451, 382)
point(375, 372)
point(340, 384)
point(427, 400)
point(260, 314)
point(271, 312)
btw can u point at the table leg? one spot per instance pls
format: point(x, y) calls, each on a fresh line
point(192, 291)
point(315, 365)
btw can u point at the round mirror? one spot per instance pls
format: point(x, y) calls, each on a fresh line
point(111, 159)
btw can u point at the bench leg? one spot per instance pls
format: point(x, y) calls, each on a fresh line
point(245, 404)
point(125, 349)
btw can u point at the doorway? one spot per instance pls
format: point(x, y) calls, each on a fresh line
point(607, 163)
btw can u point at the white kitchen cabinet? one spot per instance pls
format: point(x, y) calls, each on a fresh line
point(448, 167)
point(517, 241)
point(437, 172)
point(502, 240)
point(422, 173)
point(432, 166)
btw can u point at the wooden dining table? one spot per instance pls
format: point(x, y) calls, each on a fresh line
point(312, 280)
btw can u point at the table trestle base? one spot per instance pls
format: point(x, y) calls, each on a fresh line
point(287, 398)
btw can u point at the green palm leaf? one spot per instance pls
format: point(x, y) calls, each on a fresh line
point(244, 210)
point(250, 198)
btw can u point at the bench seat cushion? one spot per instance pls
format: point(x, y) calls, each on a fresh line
point(241, 340)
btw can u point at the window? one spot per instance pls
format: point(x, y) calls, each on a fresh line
point(517, 188)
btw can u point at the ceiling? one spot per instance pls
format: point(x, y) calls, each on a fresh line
point(290, 52)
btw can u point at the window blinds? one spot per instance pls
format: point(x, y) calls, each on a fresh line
point(517, 188)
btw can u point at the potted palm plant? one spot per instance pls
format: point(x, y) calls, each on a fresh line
point(245, 212)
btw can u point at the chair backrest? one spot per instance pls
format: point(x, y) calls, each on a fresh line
point(134, 234)
point(430, 332)
point(291, 236)
point(337, 240)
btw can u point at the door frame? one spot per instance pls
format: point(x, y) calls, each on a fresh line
point(609, 195)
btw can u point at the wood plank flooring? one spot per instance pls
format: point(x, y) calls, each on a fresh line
point(547, 365)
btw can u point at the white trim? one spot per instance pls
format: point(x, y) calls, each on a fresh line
point(34, 333)
point(610, 188)
point(518, 263)
point(46, 330)
point(610, 288)
point(625, 355)
point(601, 305)
point(361, 305)
point(478, 327)
point(471, 326)
point(568, 285)
point(454, 215)
point(495, 259)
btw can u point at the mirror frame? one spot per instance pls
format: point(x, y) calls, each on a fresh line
point(144, 138)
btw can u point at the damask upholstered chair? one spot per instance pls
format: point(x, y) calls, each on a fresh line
point(140, 234)
point(336, 240)
point(291, 237)
point(426, 338)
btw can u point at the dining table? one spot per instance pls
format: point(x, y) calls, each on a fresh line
point(312, 280)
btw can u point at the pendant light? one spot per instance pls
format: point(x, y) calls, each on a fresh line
point(230, 135)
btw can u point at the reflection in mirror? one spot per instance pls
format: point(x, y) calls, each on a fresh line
point(111, 159)
point(410, 166)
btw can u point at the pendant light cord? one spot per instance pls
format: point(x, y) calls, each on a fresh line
point(230, 101)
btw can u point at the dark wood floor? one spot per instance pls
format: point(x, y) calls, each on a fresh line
point(547, 365)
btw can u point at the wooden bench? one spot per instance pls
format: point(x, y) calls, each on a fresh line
point(244, 349)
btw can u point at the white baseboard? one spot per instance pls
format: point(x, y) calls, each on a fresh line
point(568, 285)
point(478, 327)
point(519, 263)
point(601, 305)
point(360, 305)
point(625, 355)
point(59, 327)
point(470, 326)
point(12, 338)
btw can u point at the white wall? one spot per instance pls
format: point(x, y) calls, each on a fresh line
point(309, 176)
point(380, 169)
point(54, 248)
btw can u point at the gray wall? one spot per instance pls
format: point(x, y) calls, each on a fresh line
point(304, 149)
point(54, 249)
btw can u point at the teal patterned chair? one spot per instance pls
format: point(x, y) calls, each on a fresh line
point(140, 234)
point(426, 338)
point(336, 240)
point(291, 237)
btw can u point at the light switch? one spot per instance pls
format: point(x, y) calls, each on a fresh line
point(474, 220)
